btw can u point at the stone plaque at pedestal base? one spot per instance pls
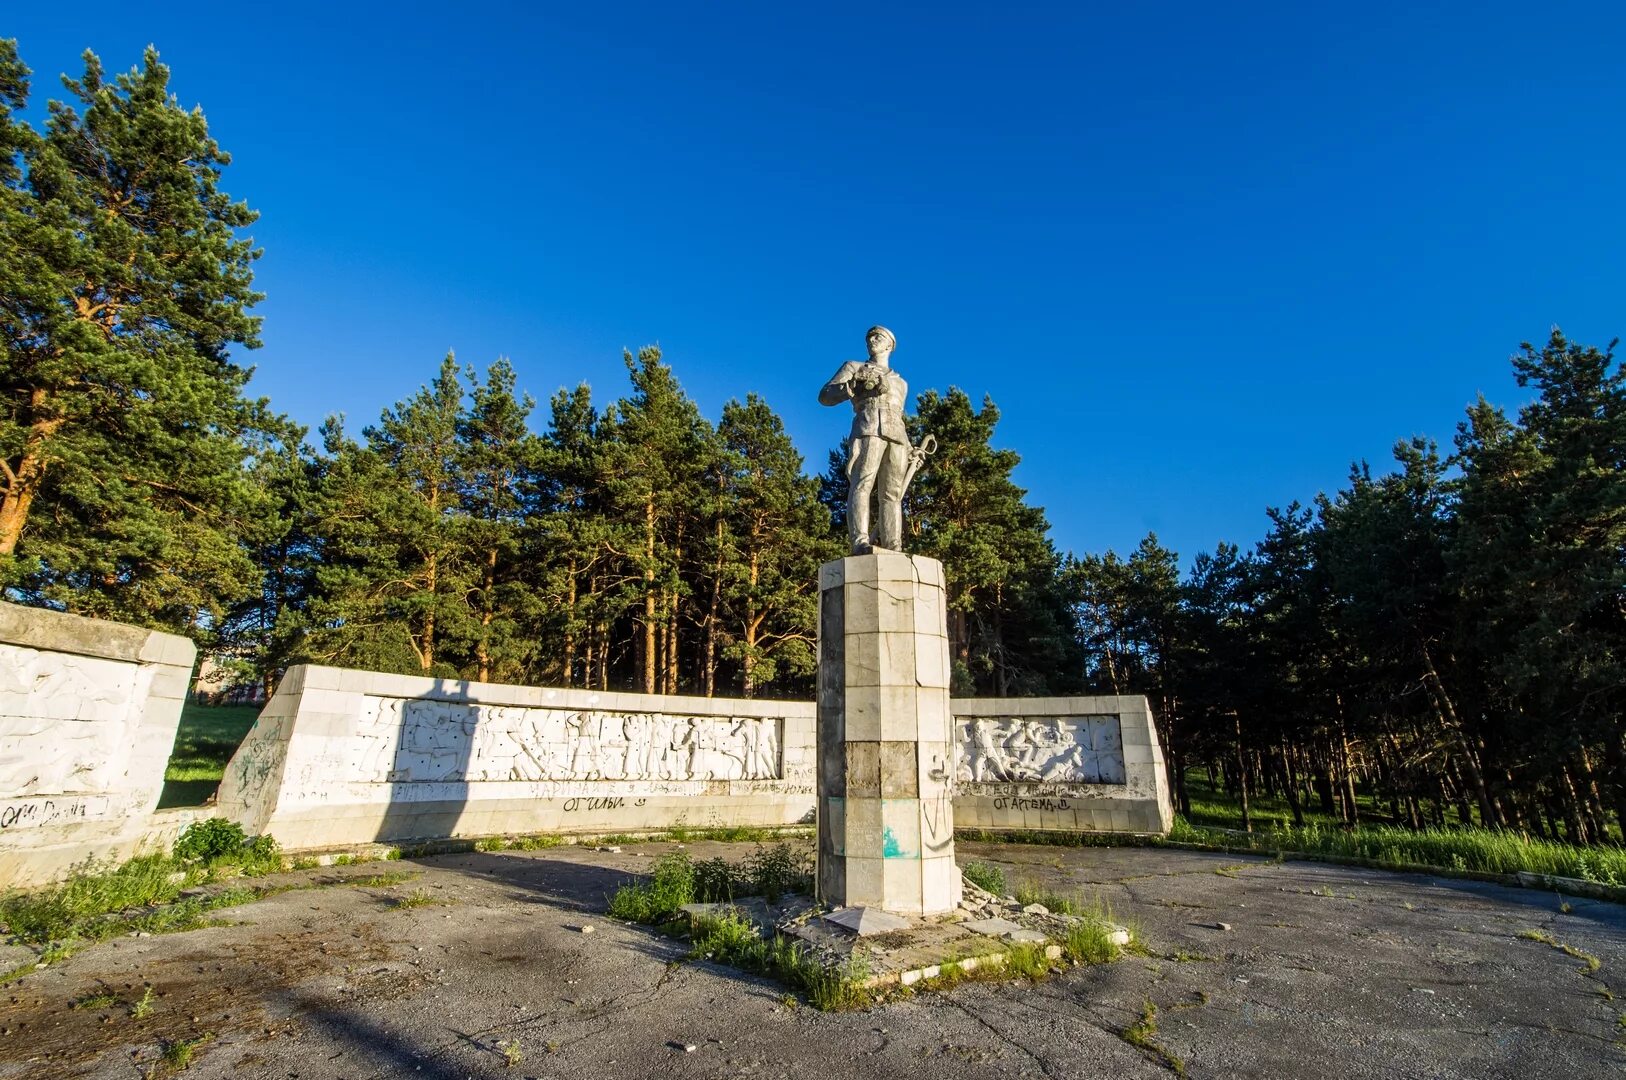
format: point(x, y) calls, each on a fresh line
point(886, 742)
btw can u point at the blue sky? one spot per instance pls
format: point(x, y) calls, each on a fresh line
point(1202, 256)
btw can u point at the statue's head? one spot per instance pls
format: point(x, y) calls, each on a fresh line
point(880, 342)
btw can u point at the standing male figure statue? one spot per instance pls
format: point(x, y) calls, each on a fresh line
point(878, 451)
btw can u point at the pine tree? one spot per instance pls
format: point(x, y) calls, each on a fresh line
point(1007, 622)
point(123, 428)
point(653, 463)
point(778, 534)
point(497, 456)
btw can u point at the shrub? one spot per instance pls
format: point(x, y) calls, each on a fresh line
point(216, 842)
point(669, 888)
point(209, 840)
point(717, 879)
point(986, 876)
point(774, 871)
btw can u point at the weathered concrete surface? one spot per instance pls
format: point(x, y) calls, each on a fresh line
point(1327, 971)
point(88, 711)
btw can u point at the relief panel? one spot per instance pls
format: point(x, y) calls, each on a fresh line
point(1041, 750)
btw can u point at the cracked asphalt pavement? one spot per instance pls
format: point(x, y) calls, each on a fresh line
point(486, 972)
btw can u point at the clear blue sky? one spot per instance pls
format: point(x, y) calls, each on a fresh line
point(1201, 255)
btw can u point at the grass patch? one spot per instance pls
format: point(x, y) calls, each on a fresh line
point(178, 1053)
point(1089, 941)
point(205, 739)
point(382, 881)
point(1491, 851)
point(97, 999)
point(1142, 1035)
point(1029, 892)
point(537, 842)
point(417, 898)
point(732, 940)
point(985, 876)
point(676, 880)
point(1589, 963)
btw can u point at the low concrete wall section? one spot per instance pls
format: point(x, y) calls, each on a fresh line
point(1072, 764)
point(88, 711)
point(344, 757)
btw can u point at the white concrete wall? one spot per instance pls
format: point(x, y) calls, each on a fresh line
point(342, 757)
point(1070, 764)
point(88, 711)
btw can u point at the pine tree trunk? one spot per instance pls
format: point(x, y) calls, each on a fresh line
point(649, 658)
point(1242, 776)
point(1447, 714)
point(674, 600)
point(1614, 755)
point(426, 655)
point(482, 652)
point(23, 482)
point(714, 614)
point(1290, 787)
point(568, 675)
point(1574, 822)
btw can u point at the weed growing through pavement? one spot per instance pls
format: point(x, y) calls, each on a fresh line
point(1029, 892)
point(1142, 1034)
point(99, 999)
point(143, 1008)
point(1589, 963)
point(676, 880)
point(417, 898)
point(382, 881)
point(178, 1052)
point(511, 1052)
point(731, 939)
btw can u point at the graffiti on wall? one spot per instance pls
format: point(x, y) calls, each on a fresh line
point(1041, 749)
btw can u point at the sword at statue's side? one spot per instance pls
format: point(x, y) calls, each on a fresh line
point(917, 458)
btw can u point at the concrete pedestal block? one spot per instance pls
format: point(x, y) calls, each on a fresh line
point(886, 738)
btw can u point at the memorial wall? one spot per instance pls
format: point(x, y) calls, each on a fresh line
point(88, 713)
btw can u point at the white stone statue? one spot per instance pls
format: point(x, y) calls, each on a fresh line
point(880, 461)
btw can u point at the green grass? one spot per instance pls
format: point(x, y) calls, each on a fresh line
point(985, 876)
point(178, 1053)
point(96, 999)
point(1142, 1034)
point(142, 895)
point(658, 899)
point(732, 940)
point(1469, 849)
point(204, 741)
point(1029, 892)
point(1089, 941)
point(1589, 963)
point(677, 880)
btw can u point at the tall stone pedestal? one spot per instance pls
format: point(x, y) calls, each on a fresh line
point(885, 737)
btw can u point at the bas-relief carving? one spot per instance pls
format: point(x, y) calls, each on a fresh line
point(1051, 750)
point(413, 741)
point(66, 722)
